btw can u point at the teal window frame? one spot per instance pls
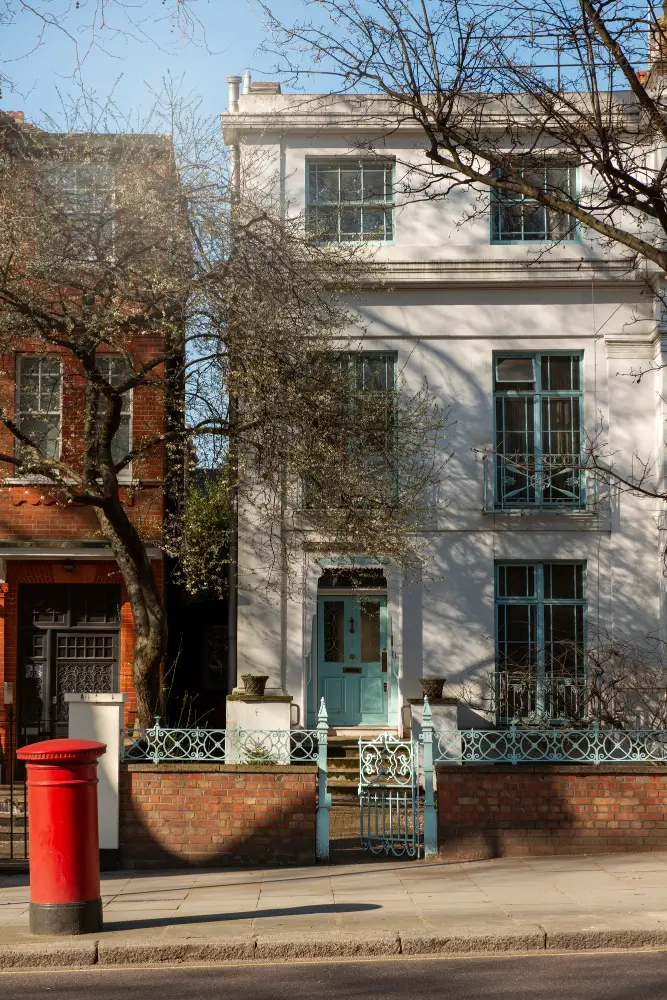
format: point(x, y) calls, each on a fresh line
point(527, 210)
point(319, 206)
point(534, 477)
point(540, 677)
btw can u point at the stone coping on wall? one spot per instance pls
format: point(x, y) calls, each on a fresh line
point(567, 768)
point(193, 766)
point(239, 696)
point(434, 701)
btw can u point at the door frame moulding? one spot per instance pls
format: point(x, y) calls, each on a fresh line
point(313, 568)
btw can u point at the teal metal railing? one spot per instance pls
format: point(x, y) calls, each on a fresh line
point(541, 483)
point(557, 745)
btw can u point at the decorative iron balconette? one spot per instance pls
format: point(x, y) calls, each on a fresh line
point(531, 482)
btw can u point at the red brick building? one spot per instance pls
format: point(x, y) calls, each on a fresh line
point(65, 619)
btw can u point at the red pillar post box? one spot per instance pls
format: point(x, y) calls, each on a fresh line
point(64, 841)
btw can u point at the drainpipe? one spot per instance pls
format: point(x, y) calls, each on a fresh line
point(232, 569)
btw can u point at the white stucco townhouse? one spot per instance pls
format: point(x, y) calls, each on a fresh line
point(529, 349)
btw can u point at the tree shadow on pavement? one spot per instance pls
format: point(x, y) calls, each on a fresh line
point(207, 918)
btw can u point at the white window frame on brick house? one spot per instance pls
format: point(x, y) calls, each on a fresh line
point(85, 193)
point(47, 406)
point(104, 364)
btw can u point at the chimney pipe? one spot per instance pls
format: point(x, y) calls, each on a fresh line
point(234, 84)
point(246, 82)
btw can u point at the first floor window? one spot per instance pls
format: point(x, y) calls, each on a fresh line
point(350, 201)
point(82, 196)
point(114, 370)
point(538, 432)
point(38, 403)
point(540, 641)
point(516, 218)
point(358, 390)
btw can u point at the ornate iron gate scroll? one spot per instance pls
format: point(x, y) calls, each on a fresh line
point(389, 796)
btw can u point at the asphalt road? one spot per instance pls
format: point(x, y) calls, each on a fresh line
point(618, 976)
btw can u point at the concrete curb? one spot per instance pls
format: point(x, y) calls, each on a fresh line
point(106, 952)
point(66, 954)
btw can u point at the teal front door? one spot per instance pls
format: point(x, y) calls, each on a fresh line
point(352, 659)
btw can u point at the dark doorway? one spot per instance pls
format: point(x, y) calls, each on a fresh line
point(68, 641)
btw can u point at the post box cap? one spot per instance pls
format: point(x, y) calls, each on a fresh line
point(72, 751)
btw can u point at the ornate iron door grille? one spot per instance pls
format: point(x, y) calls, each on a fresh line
point(390, 802)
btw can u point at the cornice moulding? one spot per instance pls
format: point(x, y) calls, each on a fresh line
point(629, 348)
point(438, 272)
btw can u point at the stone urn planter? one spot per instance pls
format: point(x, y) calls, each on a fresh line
point(254, 684)
point(432, 687)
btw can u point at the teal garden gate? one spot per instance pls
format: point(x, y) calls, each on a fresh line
point(390, 801)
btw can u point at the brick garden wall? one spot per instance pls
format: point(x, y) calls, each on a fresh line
point(216, 814)
point(504, 811)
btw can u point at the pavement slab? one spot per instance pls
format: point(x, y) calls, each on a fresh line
point(383, 908)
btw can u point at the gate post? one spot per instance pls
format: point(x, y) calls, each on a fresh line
point(430, 815)
point(323, 796)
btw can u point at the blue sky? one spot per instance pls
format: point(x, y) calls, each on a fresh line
point(234, 33)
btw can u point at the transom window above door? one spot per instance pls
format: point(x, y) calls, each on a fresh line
point(350, 200)
point(537, 459)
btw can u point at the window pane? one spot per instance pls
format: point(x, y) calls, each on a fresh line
point(115, 370)
point(534, 226)
point(44, 434)
point(38, 402)
point(377, 372)
point(374, 223)
point(560, 372)
point(326, 185)
point(559, 179)
point(374, 184)
point(516, 581)
point(560, 226)
point(511, 217)
point(560, 581)
point(334, 637)
point(517, 636)
point(350, 223)
point(323, 223)
point(350, 184)
point(563, 638)
point(536, 177)
point(515, 370)
point(369, 616)
point(120, 445)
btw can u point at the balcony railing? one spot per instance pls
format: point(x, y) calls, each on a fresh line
point(527, 697)
point(530, 482)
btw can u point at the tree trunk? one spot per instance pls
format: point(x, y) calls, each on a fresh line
point(150, 623)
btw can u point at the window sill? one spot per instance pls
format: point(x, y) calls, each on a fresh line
point(532, 511)
point(535, 243)
point(45, 481)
